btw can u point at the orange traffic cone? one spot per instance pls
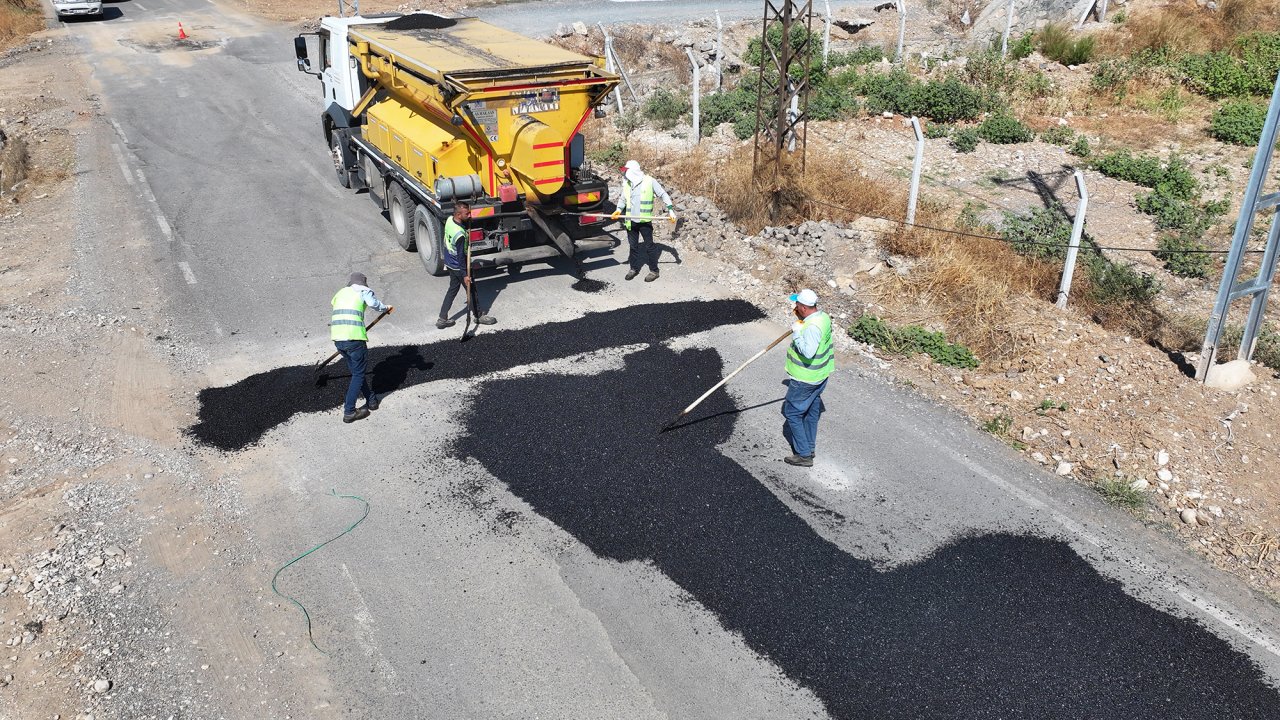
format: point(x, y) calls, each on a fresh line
point(182, 34)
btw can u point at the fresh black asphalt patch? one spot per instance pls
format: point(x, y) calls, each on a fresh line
point(996, 626)
point(238, 415)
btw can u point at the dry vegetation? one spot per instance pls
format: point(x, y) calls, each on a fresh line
point(1185, 26)
point(14, 159)
point(18, 19)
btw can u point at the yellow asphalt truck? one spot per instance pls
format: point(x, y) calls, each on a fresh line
point(425, 111)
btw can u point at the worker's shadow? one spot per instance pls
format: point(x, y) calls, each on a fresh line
point(391, 372)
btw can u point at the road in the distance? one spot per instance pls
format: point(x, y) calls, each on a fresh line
point(535, 548)
point(538, 18)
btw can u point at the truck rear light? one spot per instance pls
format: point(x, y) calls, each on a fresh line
point(582, 198)
point(476, 235)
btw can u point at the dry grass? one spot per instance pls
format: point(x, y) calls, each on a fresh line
point(18, 19)
point(1185, 26)
point(969, 285)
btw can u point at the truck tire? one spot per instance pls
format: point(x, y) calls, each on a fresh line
point(342, 156)
point(376, 184)
point(430, 235)
point(400, 209)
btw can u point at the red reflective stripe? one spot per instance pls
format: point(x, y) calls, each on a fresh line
point(548, 180)
point(544, 146)
point(548, 163)
point(553, 83)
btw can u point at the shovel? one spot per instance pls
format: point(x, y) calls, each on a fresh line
point(729, 377)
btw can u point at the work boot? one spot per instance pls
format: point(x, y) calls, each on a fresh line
point(443, 323)
point(798, 460)
point(372, 404)
point(359, 414)
point(651, 276)
point(631, 274)
point(486, 320)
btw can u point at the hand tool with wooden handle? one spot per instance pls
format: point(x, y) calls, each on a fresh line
point(729, 377)
point(367, 328)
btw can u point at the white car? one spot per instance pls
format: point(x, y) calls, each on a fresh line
point(74, 8)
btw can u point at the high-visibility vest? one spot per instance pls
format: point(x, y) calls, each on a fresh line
point(347, 321)
point(453, 251)
point(816, 369)
point(646, 199)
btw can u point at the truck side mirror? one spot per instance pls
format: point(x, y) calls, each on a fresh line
point(300, 49)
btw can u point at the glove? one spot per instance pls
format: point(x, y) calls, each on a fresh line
point(796, 327)
point(390, 308)
point(672, 215)
point(616, 214)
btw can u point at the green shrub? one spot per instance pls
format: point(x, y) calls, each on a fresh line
point(1112, 75)
point(1003, 129)
point(1022, 47)
point(726, 107)
point(1216, 75)
point(1259, 55)
point(629, 121)
point(1173, 251)
point(801, 39)
point(1113, 284)
point(612, 155)
point(830, 102)
point(1080, 148)
point(910, 340)
point(1060, 45)
point(745, 126)
point(1119, 18)
point(998, 425)
point(992, 75)
point(889, 91)
point(1058, 135)
point(1121, 493)
point(666, 108)
point(866, 55)
point(1037, 85)
point(1173, 178)
point(947, 100)
point(1175, 213)
point(1041, 233)
point(965, 140)
point(1238, 121)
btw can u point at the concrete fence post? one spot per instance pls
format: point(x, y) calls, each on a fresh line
point(719, 52)
point(1004, 37)
point(915, 171)
point(697, 91)
point(826, 35)
point(902, 29)
point(1077, 232)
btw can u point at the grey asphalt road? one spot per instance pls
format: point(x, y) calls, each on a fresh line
point(601, 580)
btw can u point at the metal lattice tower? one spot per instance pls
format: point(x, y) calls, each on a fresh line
point(348, 8)
point(782, 101)
point(1258, 288)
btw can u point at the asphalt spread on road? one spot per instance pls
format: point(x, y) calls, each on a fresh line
point(993, 626)
point(238, 415)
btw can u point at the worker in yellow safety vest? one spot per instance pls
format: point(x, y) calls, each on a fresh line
point(637, 200)
point(347, 330)
point(810, 360)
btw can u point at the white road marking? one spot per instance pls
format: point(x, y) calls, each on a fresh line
point(146, 187)
point(365, 618)
point(186, 273)
point(1225, 618)
point(217, 329)
point(119, 130)
point(165, 228)
point(139, 6)
point(124, 166)
point(326, 181)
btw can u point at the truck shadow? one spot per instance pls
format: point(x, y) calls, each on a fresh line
point(993, 626)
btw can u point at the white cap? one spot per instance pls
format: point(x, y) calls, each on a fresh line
point(631, 165)
point(806, 297)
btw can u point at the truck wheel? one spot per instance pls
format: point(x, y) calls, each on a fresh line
point(373, 180)
point(401, 209)
point(342, 157)
point(430, 236)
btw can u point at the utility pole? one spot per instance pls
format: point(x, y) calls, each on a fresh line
point(782, 103)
